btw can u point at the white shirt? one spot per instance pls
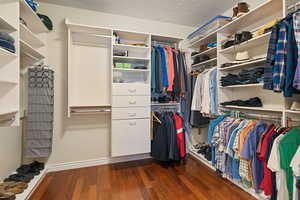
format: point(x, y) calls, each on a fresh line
point(205, 95)
point(295, 165)
point(274, 166)
point(197, 96)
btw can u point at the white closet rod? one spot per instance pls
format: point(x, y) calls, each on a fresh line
point(90, 111)
point(8, 120)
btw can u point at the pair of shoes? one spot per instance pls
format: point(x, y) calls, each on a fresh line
point(199, 145)
point(25, 178)
point(33, 168)
point(242, 37)
point(240, 9)
point(4, 195)
point(13, 187)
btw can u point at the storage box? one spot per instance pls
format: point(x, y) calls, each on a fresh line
point(214, 24)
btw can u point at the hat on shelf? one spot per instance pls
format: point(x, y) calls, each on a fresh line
point(242, 8)
point(242, 56)
point(295, 106)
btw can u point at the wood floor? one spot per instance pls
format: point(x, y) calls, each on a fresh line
point(137, 181)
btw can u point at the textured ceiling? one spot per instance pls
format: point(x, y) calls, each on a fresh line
point(184, 12)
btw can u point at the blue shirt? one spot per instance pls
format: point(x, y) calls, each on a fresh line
point(213, 92)
point(249, 152)
point(164, 67)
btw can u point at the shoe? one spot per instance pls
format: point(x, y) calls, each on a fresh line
point(14, 187)
point(25, 178)
point(242, 8)
point(295, 106)
point(4, 195)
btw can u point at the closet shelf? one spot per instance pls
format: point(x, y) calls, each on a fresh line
point(123, 58)
point(131, 70)
point(211, 51)
point(252, 43)
point(205, 62)
point(254, 108)
point(29, 51)
point(90, 110)
point(6, 82)
point(127, 46)
point(34, 23)
point(82, 38)
point(262, 11)
point(29, 37)
point(7, 116)
point(244, 65)
point(4, 25)
point(6, 56)
point(201, 158)
point(205, 40)
point(165, 104)
point(32, 185)
point(242, 86)
point(292, 111)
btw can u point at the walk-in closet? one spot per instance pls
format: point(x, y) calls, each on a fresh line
point(137, 99)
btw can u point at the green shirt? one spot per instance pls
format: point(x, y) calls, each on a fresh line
point(287, 149)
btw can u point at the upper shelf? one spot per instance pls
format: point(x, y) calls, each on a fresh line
point(264, 10)
point(211, 51)
point(4, 25)
point(29, 51)
point(254, 42)
point(133, 47)
point(205, 40)
point(251, 63)
point(29, 37)
point(90, 39)
point(94, 30)
point(6, 56)
point(130, 59)
point(34, 23)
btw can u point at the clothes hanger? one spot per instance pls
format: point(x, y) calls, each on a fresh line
point(156, 118)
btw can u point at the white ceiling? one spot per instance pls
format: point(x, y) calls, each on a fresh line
point(184, 12)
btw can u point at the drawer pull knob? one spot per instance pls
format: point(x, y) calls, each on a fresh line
point(132, 123)
point(132, 90)
point(131, 114)
point(132, 102)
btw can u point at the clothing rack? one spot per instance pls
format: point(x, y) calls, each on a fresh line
point(161, 43)
point(245, 115)
point(165, 107)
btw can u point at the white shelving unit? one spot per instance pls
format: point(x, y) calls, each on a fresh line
point(29, 37)
point(133, 59)
point(244, 65)
point(213, 60)
point(9, 67)
point(211, 51)
point(243, 86)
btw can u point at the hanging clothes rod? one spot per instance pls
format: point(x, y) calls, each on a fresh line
point(84, 111)
point(161, 43)
point(7, 120)
point(239, 114)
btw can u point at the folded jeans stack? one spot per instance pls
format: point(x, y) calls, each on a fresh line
point(245, 77)
point(7, 42)
point(252, 102)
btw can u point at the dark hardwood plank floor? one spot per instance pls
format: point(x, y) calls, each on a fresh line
point(137, 181)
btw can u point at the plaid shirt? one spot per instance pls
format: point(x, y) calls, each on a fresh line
point(296, 21)
point(280, 58)
point(268, 72)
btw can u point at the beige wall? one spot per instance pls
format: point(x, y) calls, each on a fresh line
point(86, 138)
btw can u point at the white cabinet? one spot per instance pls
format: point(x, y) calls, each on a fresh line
point(130, 101)
point(126, 89)
point(130, 137)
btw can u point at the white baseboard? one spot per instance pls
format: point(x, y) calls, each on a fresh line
point(94, 162)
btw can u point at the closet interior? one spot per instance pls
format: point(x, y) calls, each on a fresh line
point(226, 95)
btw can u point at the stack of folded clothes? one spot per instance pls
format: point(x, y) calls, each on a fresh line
point(250, 76)
point(18, 182)
point(253, 102)
point(7, 42)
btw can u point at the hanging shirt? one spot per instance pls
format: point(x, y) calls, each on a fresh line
point(179, 134)
point(197, 96)
point(170, 64)
point(153, 70)
point(287, 148)
point(274, 165)
point(280, 58)
point(206, 93)
point(296, 20)
point(213, 92)
point(164, 67)
point(249, 152)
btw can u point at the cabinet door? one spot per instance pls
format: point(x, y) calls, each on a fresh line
point(130, 101)
point(130, 137)
point(131, 113)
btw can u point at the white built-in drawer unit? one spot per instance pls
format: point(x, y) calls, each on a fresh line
point(130, 101)
point(131, 113)
point(130, 137)
point(131, 89)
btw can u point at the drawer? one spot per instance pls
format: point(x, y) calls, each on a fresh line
point(130, 101)
point(128, 89)
point(131, 113)
point(130, 137)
